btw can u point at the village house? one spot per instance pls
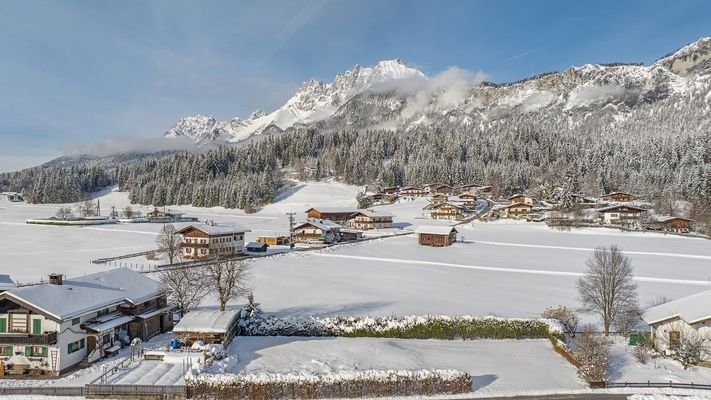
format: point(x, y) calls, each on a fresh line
point(317, 231)
point(447, 211)
point(620, 197)
point(370, 219)
point(430, 187)
point(521, 198)
point(442, 189)
point(411, 192)
point(14, 197)
point(50, 328)
point(516, 210)
point(621, 215)
point(674, 322)
point(210, 326)
point(436, 235)
point(466, 188)
point(391, 190)
point(439, 198)
point(581, 199)
point(338, 215)
point(484, 189)
point(467, 200)
point(671, 224)
point(210, 240)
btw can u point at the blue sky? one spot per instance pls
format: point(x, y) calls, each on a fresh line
point(75, 73)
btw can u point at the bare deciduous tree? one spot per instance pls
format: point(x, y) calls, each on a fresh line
point(592, 351)
point(87, 208)
point(565, 315)
point(169, 243)
point(186, 287)
point(228, 277)
point(64, 213)
point(607, 288)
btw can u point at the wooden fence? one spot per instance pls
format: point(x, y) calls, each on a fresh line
point(75, 391)
point(135, 390)
point(649, 384)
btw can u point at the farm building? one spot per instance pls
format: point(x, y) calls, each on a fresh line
point(351, 234)
point(369, 219)
point(382, 198)
point(158, 215)
point(436, 235)
point(50, 328)
point(621, 197)
point(442, 189)
point(256, 247)
point(391, 190)
point(14, 197)
point(338, 215)
point(274, 240)
point(318, 231)
point(411, 192)
point(205, 240)
point(672, 224)
point(210, 326)
point(673, 322)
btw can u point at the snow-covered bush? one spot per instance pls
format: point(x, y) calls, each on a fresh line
point(593, 353)
point(404, 327)
point(367, 383)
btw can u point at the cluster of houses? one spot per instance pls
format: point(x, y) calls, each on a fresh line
point(330, 225)
point(388, 195)
point(617, 209)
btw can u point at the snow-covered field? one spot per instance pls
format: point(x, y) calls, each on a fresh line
point(511, 269)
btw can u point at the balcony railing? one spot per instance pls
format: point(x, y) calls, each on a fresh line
point(24, 338)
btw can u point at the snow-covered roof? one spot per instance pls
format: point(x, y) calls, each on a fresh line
point(216, 229)
point(6, 283)
point(691, 309)
point(118, 320)
point(323, 224)
point(516, 205)
point(663, 218)
point(340, 210)
point(614, 194)
point(208, 321)
point(518, 195)
point(374, 214)
point(79, 296)
point(256, 244)
point(435, 229)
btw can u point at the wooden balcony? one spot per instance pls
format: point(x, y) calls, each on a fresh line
point(195, 245)
point(25, 338)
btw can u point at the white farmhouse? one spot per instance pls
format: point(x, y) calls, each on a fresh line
point(206, 240)
point(688, 316)
point(49, 328)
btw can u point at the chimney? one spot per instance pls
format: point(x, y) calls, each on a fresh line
point(55, 279)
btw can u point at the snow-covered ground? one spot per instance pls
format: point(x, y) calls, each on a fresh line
point(497, 366)
point(506, 268)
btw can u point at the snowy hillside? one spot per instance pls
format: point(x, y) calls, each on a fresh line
point(391, 95)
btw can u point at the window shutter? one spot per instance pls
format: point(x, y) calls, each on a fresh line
point(69, 348)
point(36, 326)
point(3, 325)
point(81, 343)
point(44, 352)
point(28, 351)
point(8, 351)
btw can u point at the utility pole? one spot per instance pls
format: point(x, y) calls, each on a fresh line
point(291, 229)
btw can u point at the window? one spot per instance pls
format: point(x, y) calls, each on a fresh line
point(36, 326)
point(7, 351)
point(102, 312)
point(106, 339)
point(76, 321)
point(674, 339)
point(75, 346)
point(35, 351)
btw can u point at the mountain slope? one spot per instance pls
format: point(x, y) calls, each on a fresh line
point(391, 95)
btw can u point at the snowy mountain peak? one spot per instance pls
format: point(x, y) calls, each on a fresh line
point(257, 114)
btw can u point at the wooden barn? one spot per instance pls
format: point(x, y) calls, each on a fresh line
point(436, 235)
point(256, 247)
point(673, 224)
point(211, 326)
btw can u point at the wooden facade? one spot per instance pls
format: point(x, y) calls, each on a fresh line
point(617, 196)
point(447, 211)
point(274, 240)
point(201, 241)
point(521, 198)
point(336, 215)
point(517, 210)
point(437, 236)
